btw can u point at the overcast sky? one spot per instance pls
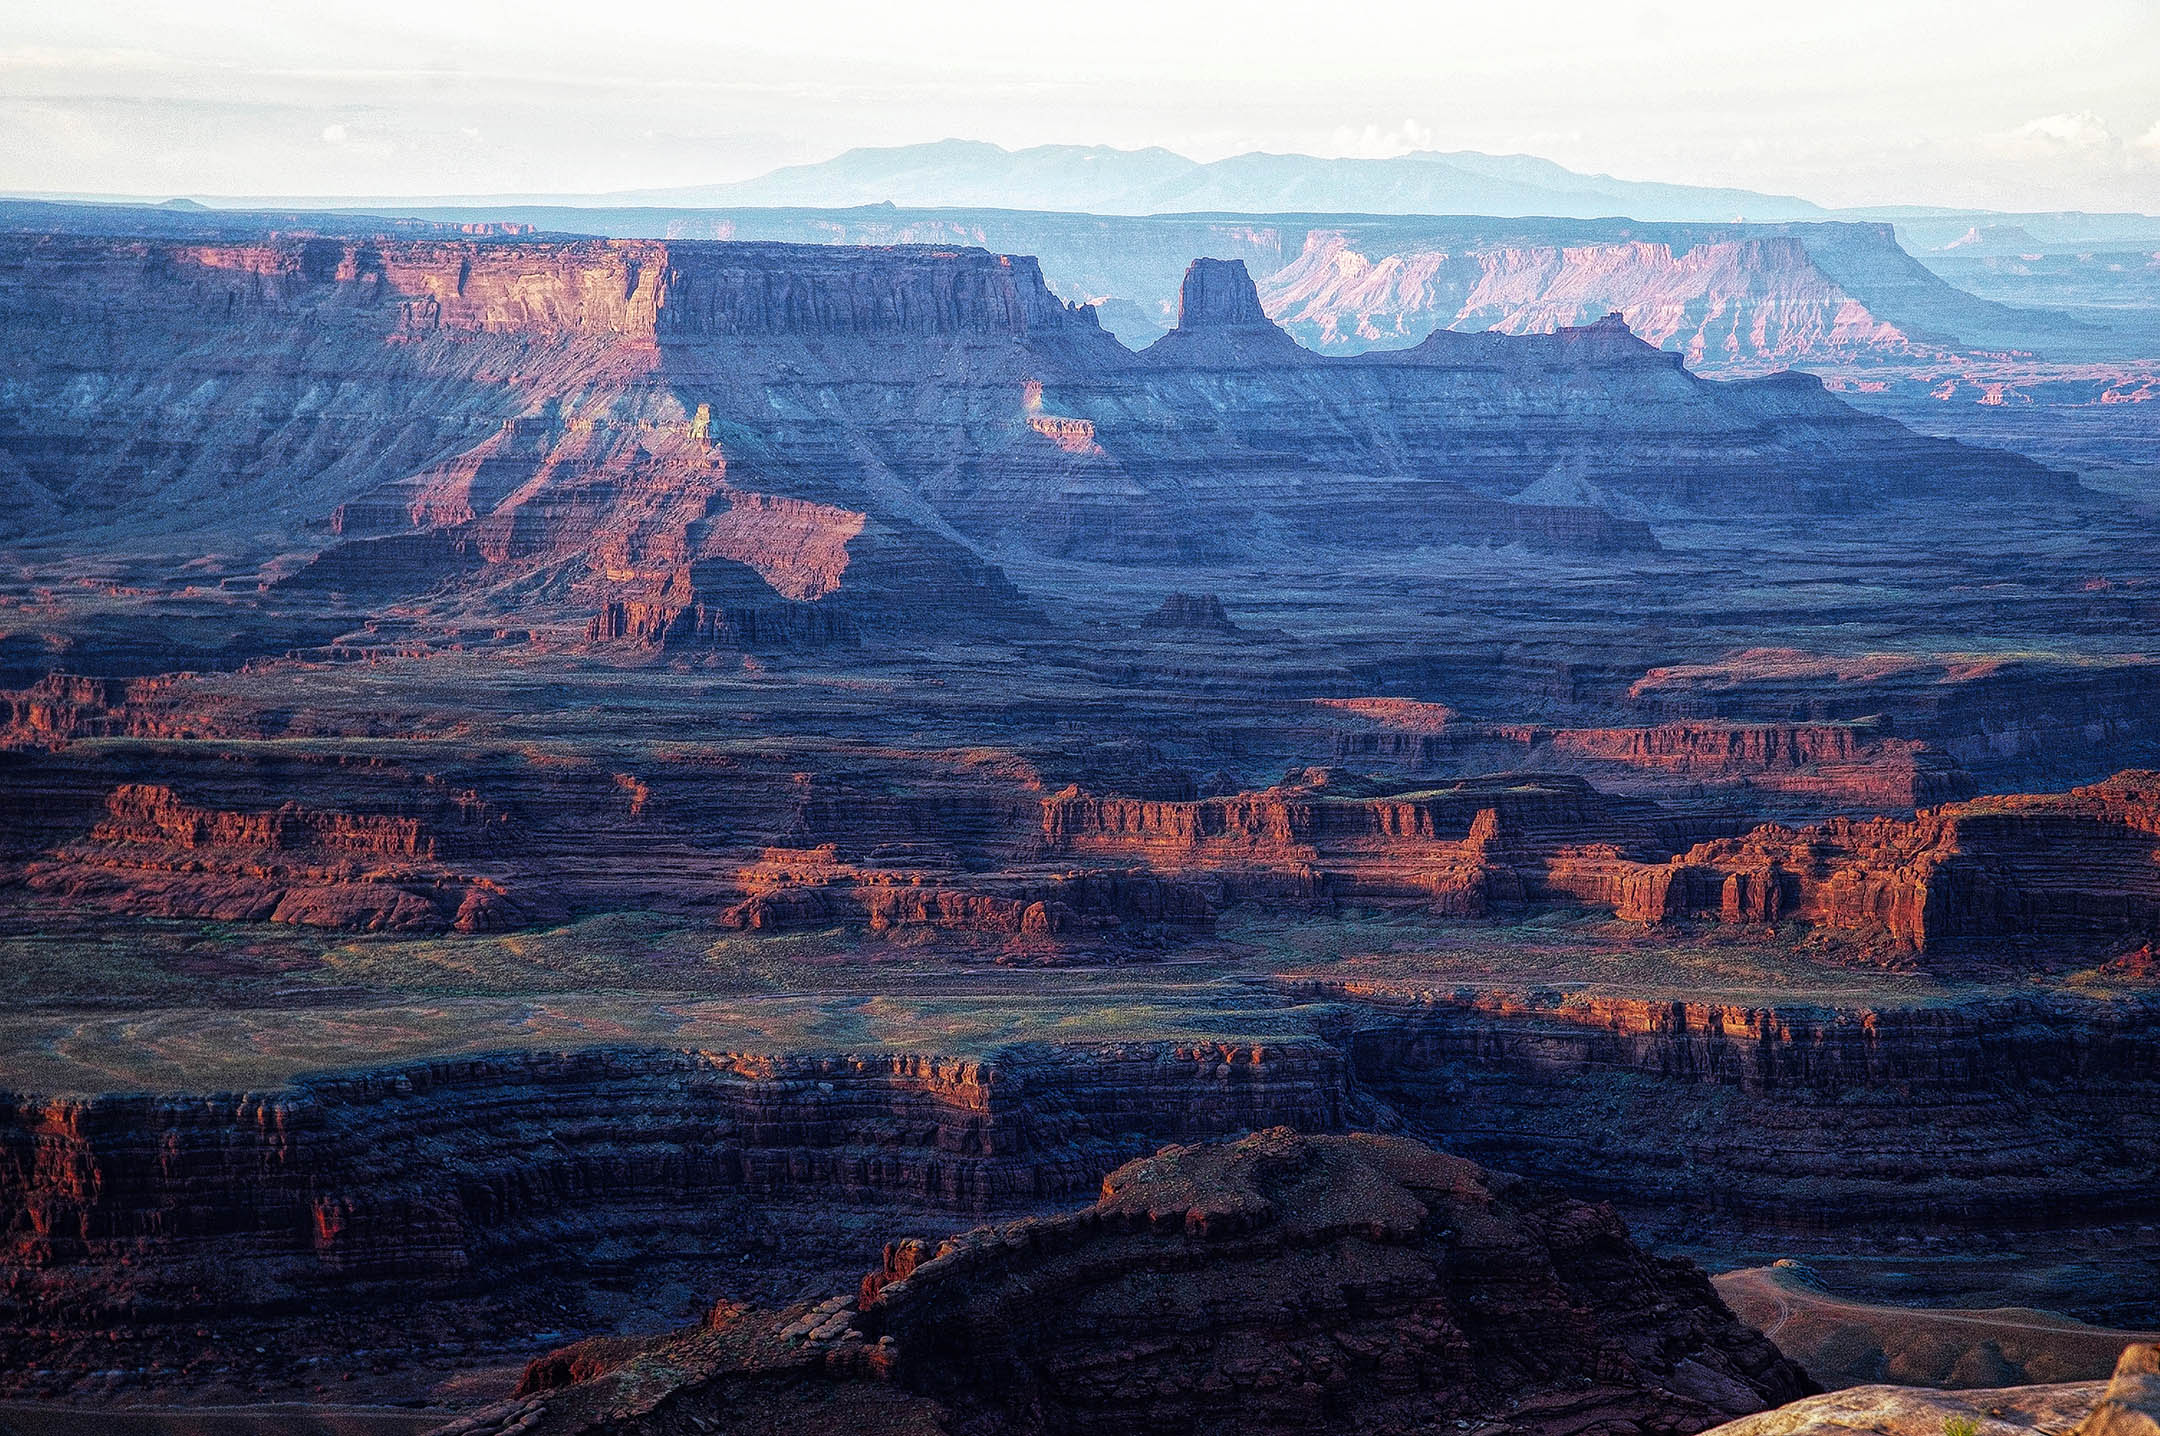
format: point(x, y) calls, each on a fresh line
point(1967, 102)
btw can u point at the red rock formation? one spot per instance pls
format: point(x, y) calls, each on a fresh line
point(1405, 715)
point(155, 854)
point(908, 838)
point(2028, 717)
point(63, 707)
point(1280, 1283)
point(1457, 846)
point(2084, 862)
point(676, 404)
point(794, 888)
point(1752, 302)
point(1850, 765)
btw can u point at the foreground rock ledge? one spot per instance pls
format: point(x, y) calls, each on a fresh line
point(2128, 1405)
point(1278, 1283)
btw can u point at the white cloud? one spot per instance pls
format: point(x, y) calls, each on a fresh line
point(335, 135)
point(1374, 143)
point(2150, 140)
point(2083, 130)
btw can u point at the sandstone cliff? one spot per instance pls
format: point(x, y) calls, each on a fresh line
point(464, 1173)
point(1280, 1283)
point(1458, 847)
point(1848, 766)
point(1985, 1115)
point(2082, 862)
point(691, 444)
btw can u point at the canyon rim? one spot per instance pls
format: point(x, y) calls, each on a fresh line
point(1147, 784)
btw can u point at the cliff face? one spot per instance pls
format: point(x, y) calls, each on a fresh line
point(1458, 847)
point(2012, 722)
point(501, 408)
point(2082, 862)
point(814, 888)
point(1279, 1283)
point(769, 445)
point(285, 832)
point(397, 872)
point(1851, 766)
point(1627, 426)
point(421, 837)
point(1793, 1116)
point(60, 708)
point(1738, 296)
point(467, 1174)
point(1721, 303)
point(505, 1174)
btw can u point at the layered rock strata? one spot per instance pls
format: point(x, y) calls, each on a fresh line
point(2024, 716)
point(2127, 1404)
point(2001, 1114)
point(1851, 765)
point(1843, 1342)
point(1280, 1283)
point(692, 444)
point(1458, 847)
point(468, 1173)
point(2078, 863)
point(392, 872)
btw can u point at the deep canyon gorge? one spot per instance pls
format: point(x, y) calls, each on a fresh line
point(625, 822)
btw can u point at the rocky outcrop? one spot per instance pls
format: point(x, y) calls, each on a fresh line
point(61, 707)
point(1465, 404)
point(1919, 1411)
point(2078, 863)
point(1191, 612)
point(1221, 324)
point(1279, 1283)
point(1326, 837)
point(1414, 1287)
point(2009, 720)
point(1219, 294)
point(887, 838)
point(1852, 766)
point(813, 888)
point(894, 840)
point(383, 872)
point(1991, 869)
point(2128, 1404)
point(2131, 1404)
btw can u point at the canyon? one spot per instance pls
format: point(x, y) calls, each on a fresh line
point(2030, 334)
point(1268, 1284)
point(556, 789)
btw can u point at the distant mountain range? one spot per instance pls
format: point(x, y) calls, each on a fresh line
point(1096, 179)
point(1100, 180)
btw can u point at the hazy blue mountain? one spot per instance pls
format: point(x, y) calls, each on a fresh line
point(1101, 180)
